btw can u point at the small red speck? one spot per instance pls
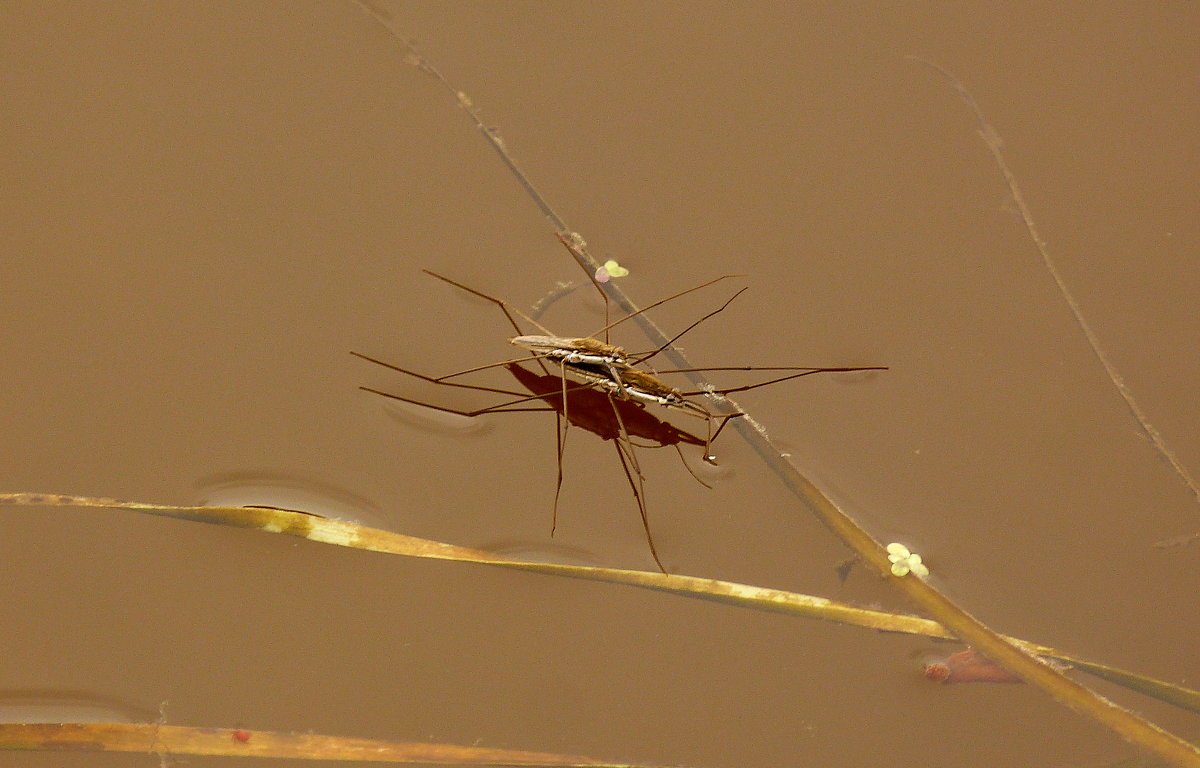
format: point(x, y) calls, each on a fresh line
point(241, 735)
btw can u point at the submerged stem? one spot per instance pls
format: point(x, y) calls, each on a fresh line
point(995, 145)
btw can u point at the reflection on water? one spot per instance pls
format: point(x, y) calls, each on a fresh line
point(48, 705)
point(265, 489)
point(432, 420)
point(709, 473)
point(543, 552)
point(560, 291)
point(853, 377)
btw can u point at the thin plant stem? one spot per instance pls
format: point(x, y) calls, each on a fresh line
point(344, 533)
point(995, 145)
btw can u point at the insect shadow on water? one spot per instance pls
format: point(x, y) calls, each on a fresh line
point(598, 386)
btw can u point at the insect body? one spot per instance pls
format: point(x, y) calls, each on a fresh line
point(582, 351)
point(585, 352)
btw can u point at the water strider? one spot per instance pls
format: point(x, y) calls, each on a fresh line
point(588, 363)
point(599, 386)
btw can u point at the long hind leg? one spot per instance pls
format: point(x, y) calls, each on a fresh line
point(638, 496)
point(628, 458)
point(688, 467)
point(562, 425)
point(560, 440)
point(501, 408)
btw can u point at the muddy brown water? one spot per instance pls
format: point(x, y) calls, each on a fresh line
point(206, 207)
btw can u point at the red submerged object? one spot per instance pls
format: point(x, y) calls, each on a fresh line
point(968, 666)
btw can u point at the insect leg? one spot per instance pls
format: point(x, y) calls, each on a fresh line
point(629, 459)
point(641, 503)
point(501, 408)
point(504, 307)
point(560, 446)
point(677, 336)
point(562, 423)
point(688, 467)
